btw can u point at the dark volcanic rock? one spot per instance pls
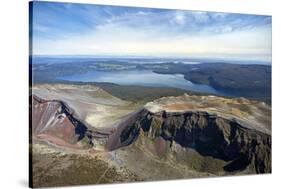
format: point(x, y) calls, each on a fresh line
point(209, 135)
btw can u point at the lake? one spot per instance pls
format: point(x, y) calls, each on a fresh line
point(143, 78)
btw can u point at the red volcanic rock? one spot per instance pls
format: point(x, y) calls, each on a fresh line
point(53, 121)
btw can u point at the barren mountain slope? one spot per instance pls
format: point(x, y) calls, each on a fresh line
point(202, 133)
point(91, 104)
point(168, 138)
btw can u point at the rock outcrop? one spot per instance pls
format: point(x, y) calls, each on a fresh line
point(171, 134)
point(54, 121)
point(209, 134)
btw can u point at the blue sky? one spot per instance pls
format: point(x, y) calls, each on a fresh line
point(82, 29)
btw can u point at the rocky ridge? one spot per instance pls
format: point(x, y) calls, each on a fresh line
point(168, 127)
point(227, 135)
point(56, 122)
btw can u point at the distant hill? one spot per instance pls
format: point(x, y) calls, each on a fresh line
point(251, 81)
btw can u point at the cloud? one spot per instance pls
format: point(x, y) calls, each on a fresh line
point(218, 15)
point(40, 28)
point(201, 17)
point(179, 18)
point(106, 30)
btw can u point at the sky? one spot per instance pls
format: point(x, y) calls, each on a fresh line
point(87, 29)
